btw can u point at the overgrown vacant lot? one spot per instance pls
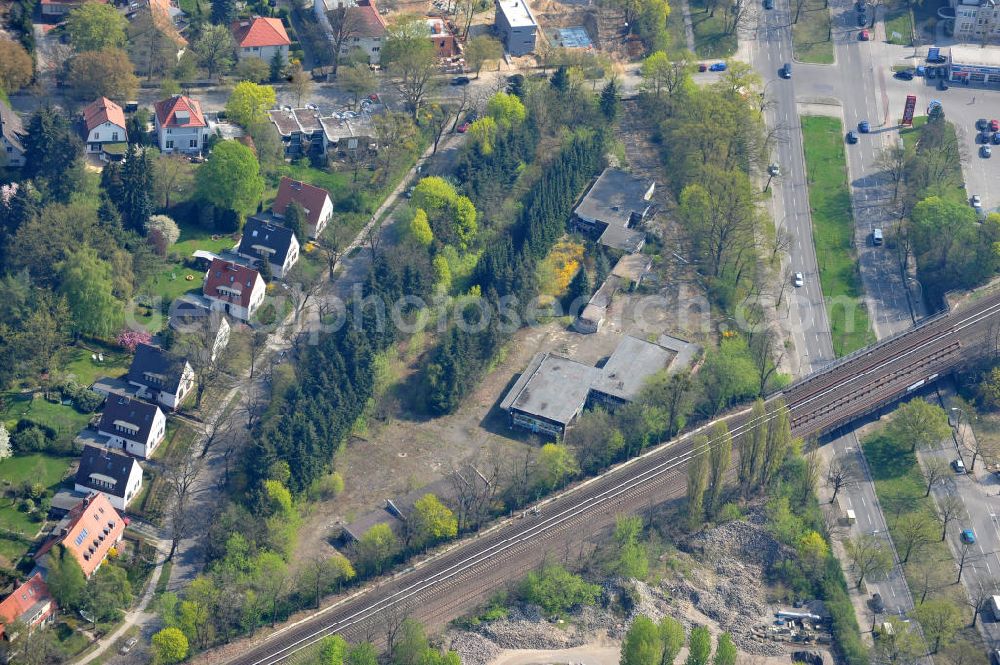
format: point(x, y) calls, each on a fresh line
point(833, 232)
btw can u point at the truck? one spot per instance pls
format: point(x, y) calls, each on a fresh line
point(850, 517)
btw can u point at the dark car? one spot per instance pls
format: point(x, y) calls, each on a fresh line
point(996, 139)
point(702, 67)
point(876, 603)
point(461, 80)
point(864, 127)
point(983, 137)
point(942, 85)
point(982, 124)
point(852, 137)
point(904, 75)
point(860, 6)
point(768, 4)
point(862, 20)
point(786, 71)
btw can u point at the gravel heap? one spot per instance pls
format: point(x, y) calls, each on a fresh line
point(473, 648)
point(524, 628)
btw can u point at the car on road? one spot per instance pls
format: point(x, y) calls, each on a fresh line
point(904, 75)
point(464, 127)
point(129, 644)
point(968, 536)
point(786, 71)
point(982, 124)
point(852, 137)
point(920, 70)
point(864, 127)
point(461, 80)
point(995, 125)
point(876, 603)
point(877, 237)
point(774, 170)
point(985, 151)
point(798, 280)
point(768, 4)
point(702, 67)
point(864, 36)
point(958, 465)
point(977, 201)
point(717, 67)
point(862, 20)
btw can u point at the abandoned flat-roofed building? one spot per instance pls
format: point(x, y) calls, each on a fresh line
point(553, 390)
point(616, 203)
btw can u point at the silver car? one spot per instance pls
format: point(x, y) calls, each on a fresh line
point(798, 280)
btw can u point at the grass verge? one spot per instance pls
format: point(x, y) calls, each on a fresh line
point(899, 21)
point(833, 233)
point(677, 38)
point(811, 34)
point(710, 38)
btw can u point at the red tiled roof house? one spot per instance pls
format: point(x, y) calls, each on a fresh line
point(180, 125)
point(261, 38)
point(234, 289)
point(30, 603)
point(88, 532)
point(366, 21)
point(315, 200)
point(104, 122)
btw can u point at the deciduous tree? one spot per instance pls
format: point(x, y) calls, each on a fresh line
point(699, 646)
point(481, 49)
point(231, 179)
point(94, 26)
point(642, 644)
point(725, 650)
point(432, 521)
point(719, 457)
point(86, 282)
point(214, 49)
point(697, 479)
point(409, 56)
point(376, 547)
point(919, 424)
point(868, 556)
point(345, 25)
point(673, 637)
point(104, 73)
point(249, 102)
point(16, 67)
point(556, 464)
point(940, 620)
point(170, 645)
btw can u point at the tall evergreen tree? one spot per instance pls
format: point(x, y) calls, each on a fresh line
point(696, 482)
point(578, 292)
point(560, 79)
point(223, 12)
point(135, 203)
point(609, 101)
point(52, 153)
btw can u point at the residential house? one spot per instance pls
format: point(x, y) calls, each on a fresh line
point(976, 21)
point(314, 200)
point(62, 7)
point(109, 472)
point(190, 316)
point(306, 131)
point(616, 203)
point(180, 125)
point(445, 45)
point(261, 38)
point(104, 122)
point(88, 532)
point(365, 18)
point(11, 137)
point(136, 426)
point(300, 130)
point(263, 241)
point(516, 25)
point(234, 289)
point(160, 376)
point(30, 603)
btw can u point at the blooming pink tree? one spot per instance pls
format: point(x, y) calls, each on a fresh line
point(130, 339)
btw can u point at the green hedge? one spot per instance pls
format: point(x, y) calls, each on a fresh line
point(846, 633)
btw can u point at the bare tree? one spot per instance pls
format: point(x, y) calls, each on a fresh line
point(961, 562)
point(475, 487)
point(978, 598)
point(949, 509)
point(302, 290)
point(933, 470)
point(256, 345)
point(345, 25)
point(912, 532)
point(892, 162)
point(373, 234)
point(393, 618)
point(437, 117)
point(838, 476)
point(181, 478)
point(216, 432)
point(868, 556)
point(928, 576)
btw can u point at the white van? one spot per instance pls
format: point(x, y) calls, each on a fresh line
point(877, 237)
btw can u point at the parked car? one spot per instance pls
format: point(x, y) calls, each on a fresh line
point(995, 125)
point(798, 280)
point(717, 67)
point(968, 536)
point(982, 124)
point(768, 4)
point(934, 55)
point(920, 70)
point(702, 67)
point(904, 75)
point(958, 465)
point(876, 603)
point(852, 137)
point(985, 152)
point(996, 139)
point(864, 36)
point(461, 80)
point(983, 137)
point(129, 644)
point(942, 85)
point(862, 20)
point(464, 127)
point(864, 127)
point(977, 201)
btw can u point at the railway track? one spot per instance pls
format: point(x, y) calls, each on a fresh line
point(454, 580)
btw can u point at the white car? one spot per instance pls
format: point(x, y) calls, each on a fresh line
point(774, 170)
point(798, 280)
point(977, 201)
point(958, 465)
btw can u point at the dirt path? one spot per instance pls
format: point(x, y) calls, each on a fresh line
point(595, 653)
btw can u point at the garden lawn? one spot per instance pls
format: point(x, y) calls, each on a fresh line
point(86, 370)
point(833, 233)
point(63, 418)
point(710, 40)
point(951, 187)
point(17, 529)
point(811, 35)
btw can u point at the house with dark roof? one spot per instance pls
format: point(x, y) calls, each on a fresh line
point(264, 241)
point(30, 603)
point(364, 16)
point(135, 426)
point(88, 532)
point(115, 475)
point(234, 289)
point(11, 136)
point(61, 7)
point(314, 200)
point(260, 38)
point(616, 203)
point(104, 124)
point(180, 125)
point(160, 376)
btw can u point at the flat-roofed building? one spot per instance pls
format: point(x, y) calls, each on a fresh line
point(516, 25)
point(974, 64)
point(617, 202)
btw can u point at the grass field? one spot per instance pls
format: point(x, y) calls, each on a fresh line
point(900, 489)
point(952, 185)
point(86, 370)
point(675, 30)
point(899, 20)
point(833, 232)
point(811, 34)
point(710, 40)
point(35, 468)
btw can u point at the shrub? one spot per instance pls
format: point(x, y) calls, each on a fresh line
point(556, 590)
point(29, 440)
